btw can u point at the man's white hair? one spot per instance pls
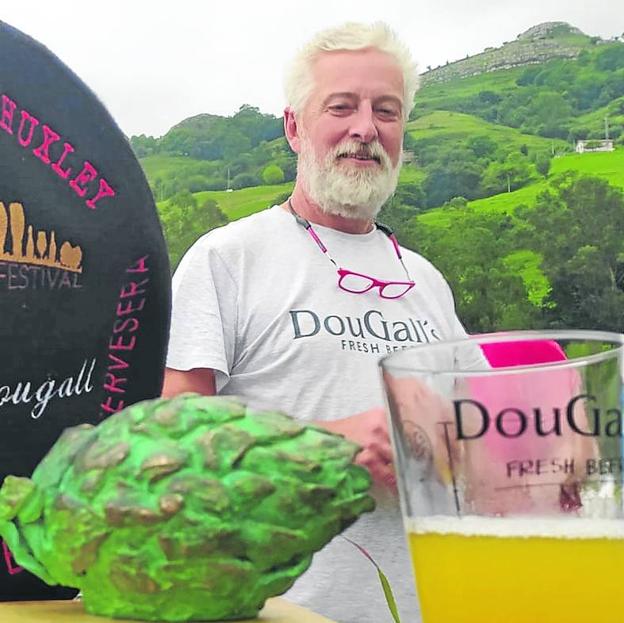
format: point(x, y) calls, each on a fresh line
point(350, 36)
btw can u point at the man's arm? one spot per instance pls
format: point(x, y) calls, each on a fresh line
point(199, 380)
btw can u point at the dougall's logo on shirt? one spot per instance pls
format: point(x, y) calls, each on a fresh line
point(33, 258)
point(370, 333)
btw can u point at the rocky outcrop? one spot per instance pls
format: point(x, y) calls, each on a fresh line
point(538, 44)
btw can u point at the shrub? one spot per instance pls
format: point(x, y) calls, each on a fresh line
point(244, 180)
point(272, 174)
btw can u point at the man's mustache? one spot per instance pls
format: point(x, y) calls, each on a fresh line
point(363, 151)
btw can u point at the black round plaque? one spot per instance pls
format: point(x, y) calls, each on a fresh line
point(84, 274)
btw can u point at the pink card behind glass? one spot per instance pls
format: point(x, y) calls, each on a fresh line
point(547, 390)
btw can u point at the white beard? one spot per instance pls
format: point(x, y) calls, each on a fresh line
point(345, 190)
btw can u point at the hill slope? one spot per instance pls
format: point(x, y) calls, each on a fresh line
point(538, 44)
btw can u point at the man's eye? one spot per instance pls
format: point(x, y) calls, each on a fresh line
point(388, 112)
point(340, 108)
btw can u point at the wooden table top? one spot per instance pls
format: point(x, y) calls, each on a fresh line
point(276, 611)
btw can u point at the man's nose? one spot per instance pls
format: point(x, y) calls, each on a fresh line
point(363, 126)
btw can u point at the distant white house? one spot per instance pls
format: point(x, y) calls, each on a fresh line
point(594, 145)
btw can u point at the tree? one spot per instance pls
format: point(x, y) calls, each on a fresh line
point(183, 199)
point(614, 87)
point(456, 202)
point(197, 183)
point(256, 126)
point(611, 58)
point(528, 75)
point(411, 194)
point(577, 227)
point(234, 143)
point(272, 174)
point(144, 145)
point(550, 113)
point(506, 176)
point(471, 254)
point(397, 215)
point(184, 221)
point(542, 163)
point(244, 180)
point(482, 145)
point(585, 91)
point(457, 178)
point(212, 215)
point(489, 97)
point(242, 164)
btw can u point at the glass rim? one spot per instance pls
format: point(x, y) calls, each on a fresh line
point(391, 363)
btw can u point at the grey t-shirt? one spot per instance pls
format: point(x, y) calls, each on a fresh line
point(258, 302)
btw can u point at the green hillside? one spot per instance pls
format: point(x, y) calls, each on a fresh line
point(450, 94)
point(608, 166)
point(163, 165)
point(444, 125)
point(239, 203)
point(613, 112)
point(537, 45)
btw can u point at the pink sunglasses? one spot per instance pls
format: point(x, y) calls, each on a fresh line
point(359, 283)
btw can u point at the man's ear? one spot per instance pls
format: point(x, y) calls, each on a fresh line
point(291, 129)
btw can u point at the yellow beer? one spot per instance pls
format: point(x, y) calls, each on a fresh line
point(503, 570)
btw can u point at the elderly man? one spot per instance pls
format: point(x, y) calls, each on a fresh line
point(292, 307)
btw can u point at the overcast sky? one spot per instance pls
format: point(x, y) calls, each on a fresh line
point(156, 63)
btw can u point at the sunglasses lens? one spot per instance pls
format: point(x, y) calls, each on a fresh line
point(395, 290)
point(355, 283)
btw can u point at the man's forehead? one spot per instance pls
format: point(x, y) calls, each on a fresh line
point(350, 70)
point(355, 96)
point(371, 55)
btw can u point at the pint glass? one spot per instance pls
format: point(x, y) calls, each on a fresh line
point(509, 457)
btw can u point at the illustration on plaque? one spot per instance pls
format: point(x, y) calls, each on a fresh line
point(35, 258)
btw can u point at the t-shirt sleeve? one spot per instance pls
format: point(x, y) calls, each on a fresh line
point(468, 357)
point(204, 313)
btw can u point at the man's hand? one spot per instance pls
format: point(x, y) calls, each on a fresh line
point(369, 430)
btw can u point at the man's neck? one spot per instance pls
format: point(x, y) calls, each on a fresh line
point(310, 211)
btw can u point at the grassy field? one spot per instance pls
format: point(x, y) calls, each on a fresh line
point(609, 165)
point(503, 203)
point(166, 166)
point(243, 202)
point(455, 125)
